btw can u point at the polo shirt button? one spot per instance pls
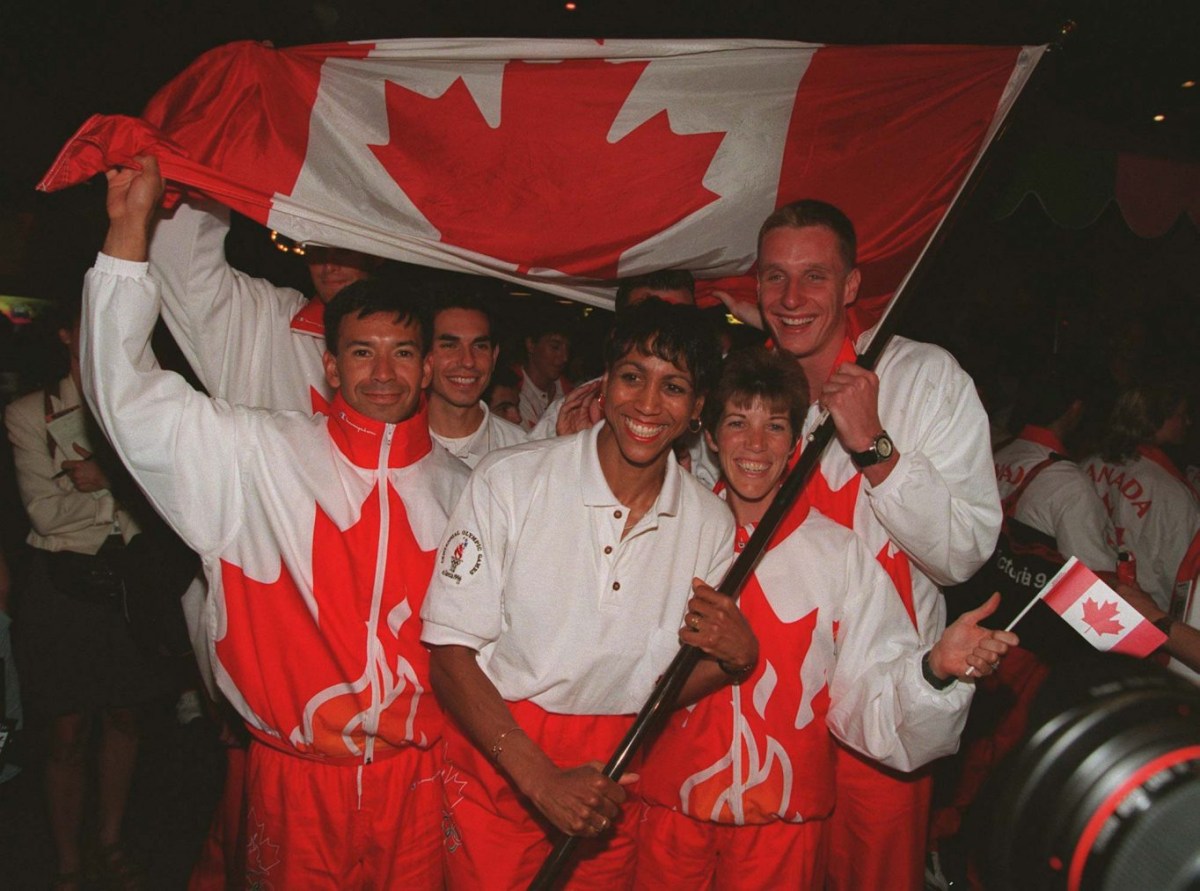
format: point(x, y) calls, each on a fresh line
point(617, 514)
point(616, 586)
point(608, 549)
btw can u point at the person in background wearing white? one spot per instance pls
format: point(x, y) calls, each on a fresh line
point(462, 357)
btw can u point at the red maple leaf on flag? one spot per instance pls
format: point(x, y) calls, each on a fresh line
point(546, 188)
point(1100, 617)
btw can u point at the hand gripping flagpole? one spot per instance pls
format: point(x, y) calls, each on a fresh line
point(662, 698)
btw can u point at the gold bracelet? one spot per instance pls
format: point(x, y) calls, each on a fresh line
point(497, 748)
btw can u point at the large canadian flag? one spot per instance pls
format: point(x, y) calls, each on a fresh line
point(565, 164)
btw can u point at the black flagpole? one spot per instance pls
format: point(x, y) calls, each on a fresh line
point(666, 691)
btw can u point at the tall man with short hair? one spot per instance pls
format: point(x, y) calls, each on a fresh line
point(317, 536)
point(910, 472)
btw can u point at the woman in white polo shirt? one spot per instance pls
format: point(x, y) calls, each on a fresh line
point(557, 600)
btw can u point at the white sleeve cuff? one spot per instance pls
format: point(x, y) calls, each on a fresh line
point(116, 266)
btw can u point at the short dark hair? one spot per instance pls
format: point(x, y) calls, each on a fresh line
point(370, 296)
point(758, 373)
point(811, 212)
point(659, 280)
point(1048, 393)
point(549, 317)
point(468, 301)
point(679, 334)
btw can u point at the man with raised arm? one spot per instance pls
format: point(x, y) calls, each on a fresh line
point(910, 472)
point(248, 340)
point(317, 536)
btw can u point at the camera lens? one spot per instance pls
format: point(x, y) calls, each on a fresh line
point(1104, 793)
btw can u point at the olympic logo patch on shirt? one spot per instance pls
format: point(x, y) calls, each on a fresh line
point(461, 550)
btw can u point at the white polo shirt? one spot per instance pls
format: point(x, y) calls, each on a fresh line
point(533, 573)
point(493, 433)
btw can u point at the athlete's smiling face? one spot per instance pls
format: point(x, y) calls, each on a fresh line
point(753, 441)
point(804, 287)
point(462, 356)
point(379, 368)
point(648, 404)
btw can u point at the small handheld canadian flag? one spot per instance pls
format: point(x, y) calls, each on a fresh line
point(1101, 616)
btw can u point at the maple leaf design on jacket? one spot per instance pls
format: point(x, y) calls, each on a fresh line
point(310, 666)
point(1101, 617)
point(546, 188)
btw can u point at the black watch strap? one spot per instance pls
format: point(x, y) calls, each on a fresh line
point(881, 449)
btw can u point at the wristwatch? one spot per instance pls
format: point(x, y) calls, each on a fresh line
point(881, 449)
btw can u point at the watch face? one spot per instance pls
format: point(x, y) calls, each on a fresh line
point(884, 447)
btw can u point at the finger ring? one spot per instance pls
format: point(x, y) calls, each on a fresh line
point(694, 624)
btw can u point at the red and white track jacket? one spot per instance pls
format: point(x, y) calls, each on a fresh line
point(316, 533)
point(936, 518)
point(836, 655)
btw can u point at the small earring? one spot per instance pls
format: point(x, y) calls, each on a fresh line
point(601, 398)
point(694, 425)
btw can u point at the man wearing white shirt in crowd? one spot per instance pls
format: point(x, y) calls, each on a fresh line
point(247, 339)
point(547, 352)
point(911, 473)
point(463, 356)
point(1060, 501)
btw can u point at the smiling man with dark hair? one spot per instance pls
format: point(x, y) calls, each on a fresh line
point(317, 534)
point(462, 359)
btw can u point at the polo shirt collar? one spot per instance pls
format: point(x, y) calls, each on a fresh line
point(595, 489)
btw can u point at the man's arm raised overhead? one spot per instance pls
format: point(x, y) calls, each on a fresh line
point(180, 446)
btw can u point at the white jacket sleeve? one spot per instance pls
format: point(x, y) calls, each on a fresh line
point(467, 609)
point(180, 446)
point(230, 327)
point(881, 704)
point(940, 503)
